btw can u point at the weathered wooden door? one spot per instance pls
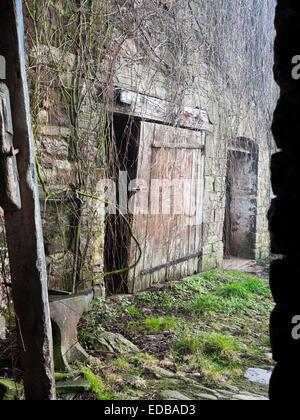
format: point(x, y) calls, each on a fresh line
point(167, 206)
point(241, 199)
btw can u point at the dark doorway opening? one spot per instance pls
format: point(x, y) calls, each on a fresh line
point(122, 156)
point(241, 199)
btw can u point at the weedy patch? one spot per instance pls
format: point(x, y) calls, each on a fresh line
point(154, 325)
point(214, 325)
point(133, 311)
point(219, 348)
point(233, 290)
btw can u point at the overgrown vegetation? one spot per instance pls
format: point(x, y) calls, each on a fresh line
point(211, 327)
point(80, 52)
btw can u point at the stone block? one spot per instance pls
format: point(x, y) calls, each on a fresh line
point(73, 386)
point(218, 247)
point(209, 262)
point(112, 343)
point(207, 249)
point(55, 147)
point(219, 215)
point(173, 395)
point(65, 314)
point(209, 216)
point(51, 130)
point(65, 132)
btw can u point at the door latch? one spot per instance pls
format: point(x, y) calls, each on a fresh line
point(10, 198)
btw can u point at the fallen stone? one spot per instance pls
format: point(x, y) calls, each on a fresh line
point(231, 388)
point(173, 395)
point(193, 385)
point(62, 376)
point(248, 397)
point(73, 387)
point(246, 393)
point(9, 390)
point(162, 373)
point(112, 343)
point(259, 376)
point(207, 397)
point(224, 393)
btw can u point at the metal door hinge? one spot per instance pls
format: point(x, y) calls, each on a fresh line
point(10, 199)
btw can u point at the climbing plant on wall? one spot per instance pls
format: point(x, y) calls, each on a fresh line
point(80, 52)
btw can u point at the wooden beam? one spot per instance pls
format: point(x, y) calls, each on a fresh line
point(24, 227)
point(162, 145)
point(158, 110)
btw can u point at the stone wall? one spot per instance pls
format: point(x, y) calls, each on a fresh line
point(238, 94)
point(226, 72)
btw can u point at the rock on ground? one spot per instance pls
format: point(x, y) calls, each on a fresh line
point(259, 376)
point(112, 343)
point(173, 395)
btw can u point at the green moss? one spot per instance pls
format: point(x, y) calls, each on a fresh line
point(62, 376)
point(97, 385)
point(10, 390)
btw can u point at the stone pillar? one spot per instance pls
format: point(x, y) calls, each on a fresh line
point(284, 215)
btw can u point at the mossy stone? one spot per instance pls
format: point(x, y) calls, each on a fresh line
point(75, 386)
point(10, 390)
point(62, 376)
point(112, 343)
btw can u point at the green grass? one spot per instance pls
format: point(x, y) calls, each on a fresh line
point(233, 290)
point(217, 347)
point(254, 285)
point(217, 326)
point(204, 304)
point(148, 299)
point(134, 311)
point(192, 285)
point(154, 325)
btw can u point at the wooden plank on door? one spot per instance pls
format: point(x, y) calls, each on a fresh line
point(172, 246)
